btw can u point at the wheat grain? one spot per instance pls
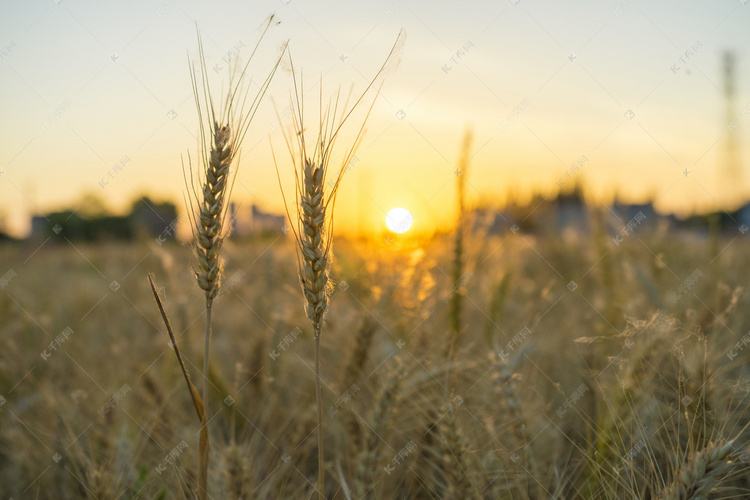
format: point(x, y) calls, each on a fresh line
point(210, 233)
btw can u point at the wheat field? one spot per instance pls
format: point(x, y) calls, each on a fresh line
point(246, 254)
point(584, 369)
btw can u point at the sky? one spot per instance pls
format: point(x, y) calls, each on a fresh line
point(625, 95)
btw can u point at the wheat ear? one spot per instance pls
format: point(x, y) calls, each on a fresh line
point(209, 239)
point(219, 145)
point(314, 221)
point(701, 473)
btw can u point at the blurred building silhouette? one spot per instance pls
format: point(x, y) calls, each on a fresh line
point(148, 218)
point(568, 211)
point(571, 211)
point(253, 221)
point(629, 211)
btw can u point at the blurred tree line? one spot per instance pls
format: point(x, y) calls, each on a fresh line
point(91, 222)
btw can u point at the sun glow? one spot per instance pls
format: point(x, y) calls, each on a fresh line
point(399, 220)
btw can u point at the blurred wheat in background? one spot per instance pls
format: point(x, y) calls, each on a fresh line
point(519, 422)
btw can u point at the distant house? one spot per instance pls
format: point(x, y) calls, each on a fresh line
point(571, 210)
point(627, 212)
point(743, 218)
point(484, 219)
point(150, 218)
point(253, 221)
point(38, 227)
point(494, 221)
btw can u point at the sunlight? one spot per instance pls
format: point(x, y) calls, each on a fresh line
point(399, 220)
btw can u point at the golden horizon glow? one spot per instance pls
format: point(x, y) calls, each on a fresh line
point(550, 95)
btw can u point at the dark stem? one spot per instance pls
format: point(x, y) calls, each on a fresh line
point(321, 469)
point(204, 447)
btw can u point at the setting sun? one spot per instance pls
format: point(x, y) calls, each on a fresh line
point(399, 220)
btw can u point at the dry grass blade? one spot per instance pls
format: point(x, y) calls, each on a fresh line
point(197, 401)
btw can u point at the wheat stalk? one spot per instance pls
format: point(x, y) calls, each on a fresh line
point(358, 359)
point(518, 423)
point(209, 238)
point(314, 221)
point(354, 368)
point(313, 258)
point(369, 460)
point(220, 140)
point(455, 312)
point(701, 473)
point(455, 458)
point(234, 471)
